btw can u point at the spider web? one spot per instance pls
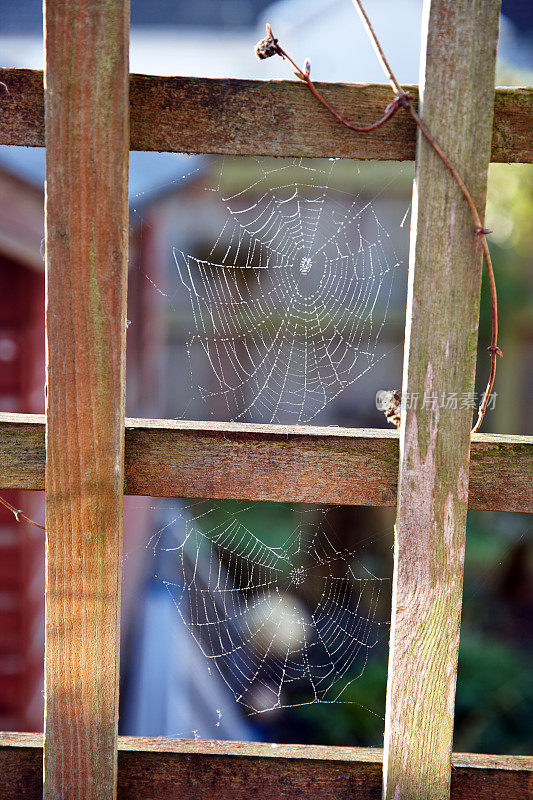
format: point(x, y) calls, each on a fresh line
point(286, 625)
point(289, 304)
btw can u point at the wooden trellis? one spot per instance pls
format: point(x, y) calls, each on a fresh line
point(94, 455)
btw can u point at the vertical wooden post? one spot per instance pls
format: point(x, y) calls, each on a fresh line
point(87, 141)
point(457, 95)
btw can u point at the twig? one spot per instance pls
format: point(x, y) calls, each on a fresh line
point(377, 47)
point(19, 516)
point(481, 231)
point(269, 46)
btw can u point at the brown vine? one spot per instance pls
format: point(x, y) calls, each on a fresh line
point(269, 46)
point(19, 516)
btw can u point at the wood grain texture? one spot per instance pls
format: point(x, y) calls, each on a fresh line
point(86, 207)
point(440, 354)
point(270, 118)
point(171, 458)
point(163, 769)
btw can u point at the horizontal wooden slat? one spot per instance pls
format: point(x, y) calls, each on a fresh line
point(171, 458)
point(164, 769)
point(274, 118)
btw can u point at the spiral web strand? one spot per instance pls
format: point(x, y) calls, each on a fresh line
point(244, 604)
point(290, 303)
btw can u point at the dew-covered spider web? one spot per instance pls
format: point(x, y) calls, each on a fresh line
point(283, 274)
point(291, 624)
point(289, 301)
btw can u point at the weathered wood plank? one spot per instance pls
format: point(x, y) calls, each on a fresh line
point(171, 458)
point(440, 354)
point(163, 769)
point(86, 207)
point(261, 118)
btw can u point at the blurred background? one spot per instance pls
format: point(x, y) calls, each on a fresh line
point(174, 681)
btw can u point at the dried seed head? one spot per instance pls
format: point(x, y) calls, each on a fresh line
point(268, 46)
point(390, 402)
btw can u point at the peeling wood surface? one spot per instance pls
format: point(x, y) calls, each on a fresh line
point(203, 115)
point(440, 354)
point(171, 458)
point(86, 206)
point(163, 769)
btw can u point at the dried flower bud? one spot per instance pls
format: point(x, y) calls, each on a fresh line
point(268, 46)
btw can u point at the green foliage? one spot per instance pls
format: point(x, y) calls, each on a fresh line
point(494, 700)
point(359, 721)
point(510, 208)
